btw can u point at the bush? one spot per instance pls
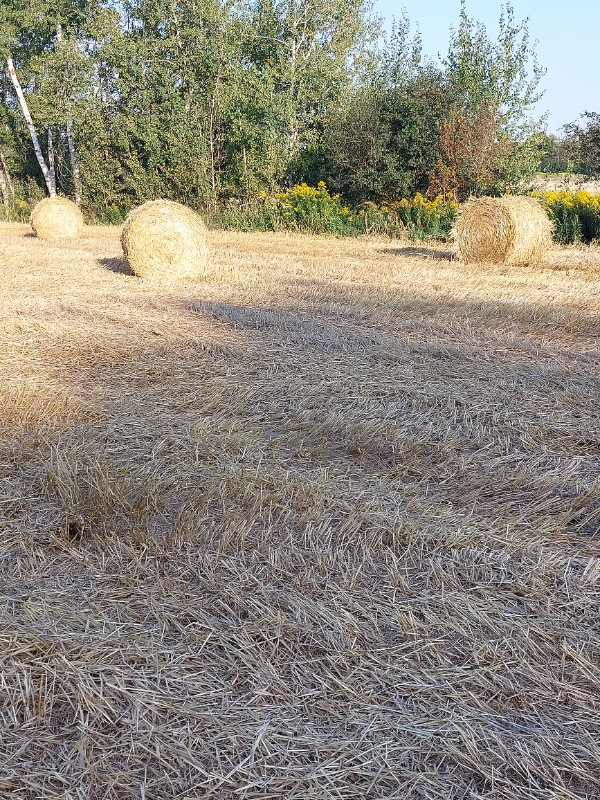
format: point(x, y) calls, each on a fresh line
point(314, 210)
point(576, 215)
point(419, 218)
point(261, 213)
point(18, 211)
point(305, 208)
point(301, 208)
point(102, 213)
point(113, 215)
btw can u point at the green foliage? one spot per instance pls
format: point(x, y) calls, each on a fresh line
point(300, 208)
point(385, 142)
point(418, 218)
point(260, 213)
point(582, 144)
point(428, 218)
point(502, 76)
point(314, 209)
point(486, 135)
point(554, 156)
point(576, 215)
point(523, 160)
point(220, 104)
point(109, 214)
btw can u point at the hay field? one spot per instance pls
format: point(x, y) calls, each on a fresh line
point(323, 527)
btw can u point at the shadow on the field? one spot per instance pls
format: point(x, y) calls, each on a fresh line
point(411, 252)
point(425, 397)
point(119, 265)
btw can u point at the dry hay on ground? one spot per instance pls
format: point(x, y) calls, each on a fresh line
point(57, 218)
point(502, 230)
point(327, 529)
point(165, 240)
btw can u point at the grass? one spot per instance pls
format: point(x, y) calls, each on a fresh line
point(323, 527)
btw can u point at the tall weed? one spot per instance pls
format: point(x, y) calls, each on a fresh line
point(576, 215)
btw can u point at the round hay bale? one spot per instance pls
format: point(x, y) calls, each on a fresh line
point(165, 240)
point(57, 218)
point(502, 230)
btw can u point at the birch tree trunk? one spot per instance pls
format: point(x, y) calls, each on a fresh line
point(51, 164)
point(213, 177)
point(70, 140)
point(74, 159)
point(36, 144)
point(6, 173)
point(4, 185)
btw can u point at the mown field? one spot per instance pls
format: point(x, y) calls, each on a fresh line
point(325, 527)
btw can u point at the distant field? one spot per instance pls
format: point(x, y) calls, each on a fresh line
point(565, 182)
point(325, 526)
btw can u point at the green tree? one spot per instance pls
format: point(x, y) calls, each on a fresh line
point(582, 144)
point(162, 88)
point(309, 50)
point(41, 42)
point(554, 157)
point(502, 76)
point(492, 87)
point(384, 141)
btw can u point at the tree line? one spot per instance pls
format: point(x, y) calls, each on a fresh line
point(113, 102)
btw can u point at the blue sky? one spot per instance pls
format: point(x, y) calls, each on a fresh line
point(568, 44)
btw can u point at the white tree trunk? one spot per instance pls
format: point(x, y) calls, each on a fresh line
point(74, 159)
point(71, 142)
point(6, 173)
point(4, 186)
point(212, 146)
point(50, 185)
point(51, 164)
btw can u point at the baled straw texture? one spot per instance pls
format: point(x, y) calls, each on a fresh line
point(57, 218)
point(509, 230)
point(166, 240)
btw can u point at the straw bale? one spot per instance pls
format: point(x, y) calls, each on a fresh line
point(502, 230)
point(165, 240)
point(57, 218)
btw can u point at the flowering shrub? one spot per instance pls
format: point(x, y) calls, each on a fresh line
point(314, 209)
point(419, 217)
point(22, 210)
point(576, 215)
point(113, 215)
point(306, 208)
point(100, 212)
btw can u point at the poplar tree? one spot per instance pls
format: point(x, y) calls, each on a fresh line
point(492, 88)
